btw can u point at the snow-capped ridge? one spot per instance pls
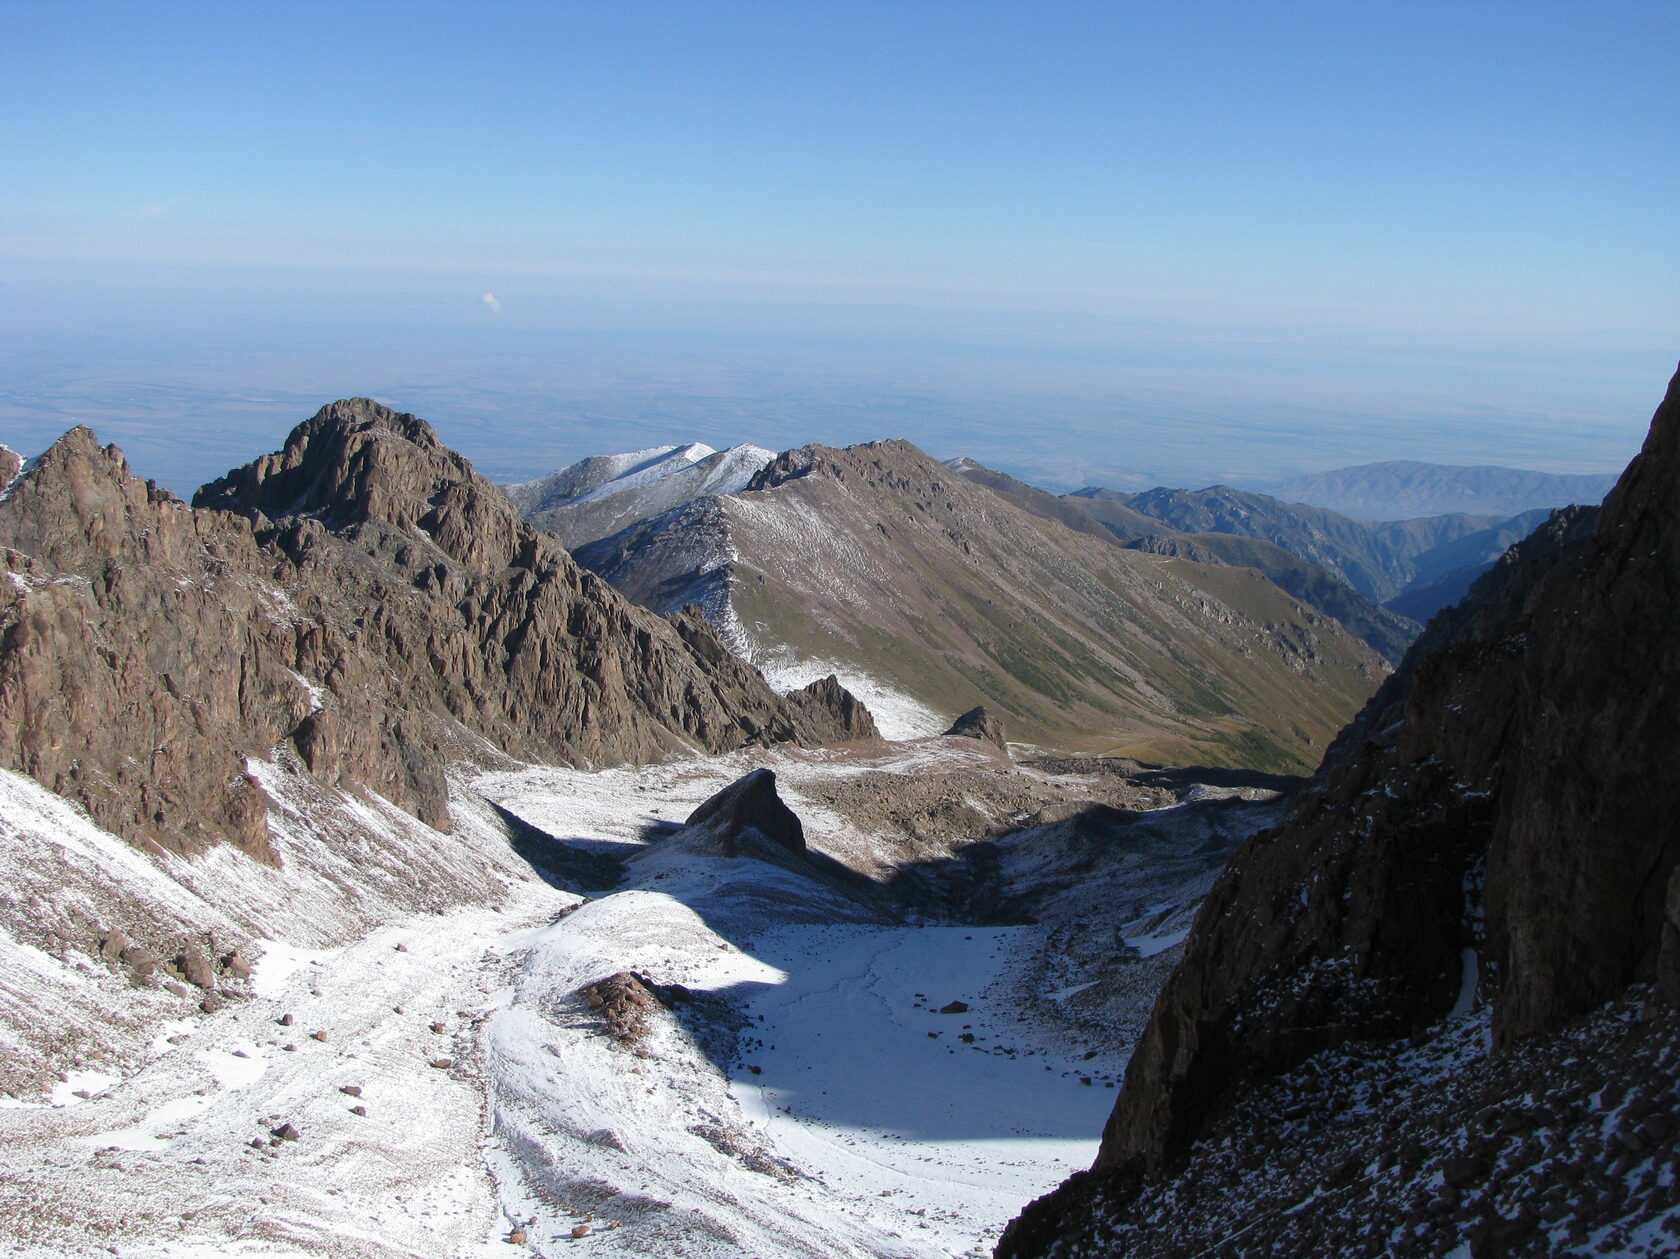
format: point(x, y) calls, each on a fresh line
point(583, 504)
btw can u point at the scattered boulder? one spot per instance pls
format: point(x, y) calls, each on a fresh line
point(287, 1132)
point(443, 1064)
point(195, 968)
point(978, 723)
point(112, 946)
point(353, 1090)
point(139, 961)
point(955, 1007)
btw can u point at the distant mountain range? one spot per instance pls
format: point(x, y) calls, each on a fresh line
point(1108, 515)
point(666, 525)
point(922, 588)
point(1425, 1014)
point(1379, 559)
point(1400, 489)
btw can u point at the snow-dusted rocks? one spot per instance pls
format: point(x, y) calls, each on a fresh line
point(602, 495)
point(361, 597)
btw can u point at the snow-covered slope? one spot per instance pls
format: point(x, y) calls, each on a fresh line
point(604, 494)
point(796, 1105)
point(140, 1104)
point(809, 1097)
point(575, 480)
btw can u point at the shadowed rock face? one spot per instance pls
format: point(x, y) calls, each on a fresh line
point(1509, 791)
point(750, 803)
point(977, 723)
point(362, 596)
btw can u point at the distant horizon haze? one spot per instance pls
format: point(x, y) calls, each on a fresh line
point(1087, 244)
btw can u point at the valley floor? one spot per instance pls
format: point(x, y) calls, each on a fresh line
point(807, 1098)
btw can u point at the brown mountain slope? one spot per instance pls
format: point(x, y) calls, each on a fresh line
point(880, 560)
point(1497, 828)
point(376, 607)
point(1102, 514)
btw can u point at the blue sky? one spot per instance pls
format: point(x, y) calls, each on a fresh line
point(1441, 231)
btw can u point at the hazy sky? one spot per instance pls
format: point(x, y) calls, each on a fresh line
point(1080, 241)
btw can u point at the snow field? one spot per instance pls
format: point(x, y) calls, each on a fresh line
point(848, 1066)
point(859, 1133)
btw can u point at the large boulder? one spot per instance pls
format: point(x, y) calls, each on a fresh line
point(978, 723)
point(744, 814)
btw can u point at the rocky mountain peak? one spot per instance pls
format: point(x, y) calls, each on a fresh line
point(358, 462)
point(371, 606)
point(75, 505)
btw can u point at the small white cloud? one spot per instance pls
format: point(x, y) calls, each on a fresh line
point(489, 299)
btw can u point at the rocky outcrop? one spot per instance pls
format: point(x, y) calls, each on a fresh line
point(746, 813)
point(144, 652)
point(827, 707)
point(978, 723)
point(361, 595)
point(1497, 827)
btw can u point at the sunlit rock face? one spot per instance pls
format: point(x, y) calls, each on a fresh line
point(362, 598)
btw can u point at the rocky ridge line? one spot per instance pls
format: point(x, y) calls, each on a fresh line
point(362, 597)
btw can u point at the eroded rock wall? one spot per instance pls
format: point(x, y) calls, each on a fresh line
point(1498, 826)
point(362, 594)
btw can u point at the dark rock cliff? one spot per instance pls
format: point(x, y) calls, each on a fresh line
point(1498, 824)
point(361, 595)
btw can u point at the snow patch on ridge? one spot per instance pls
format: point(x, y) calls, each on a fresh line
point(898, 716)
